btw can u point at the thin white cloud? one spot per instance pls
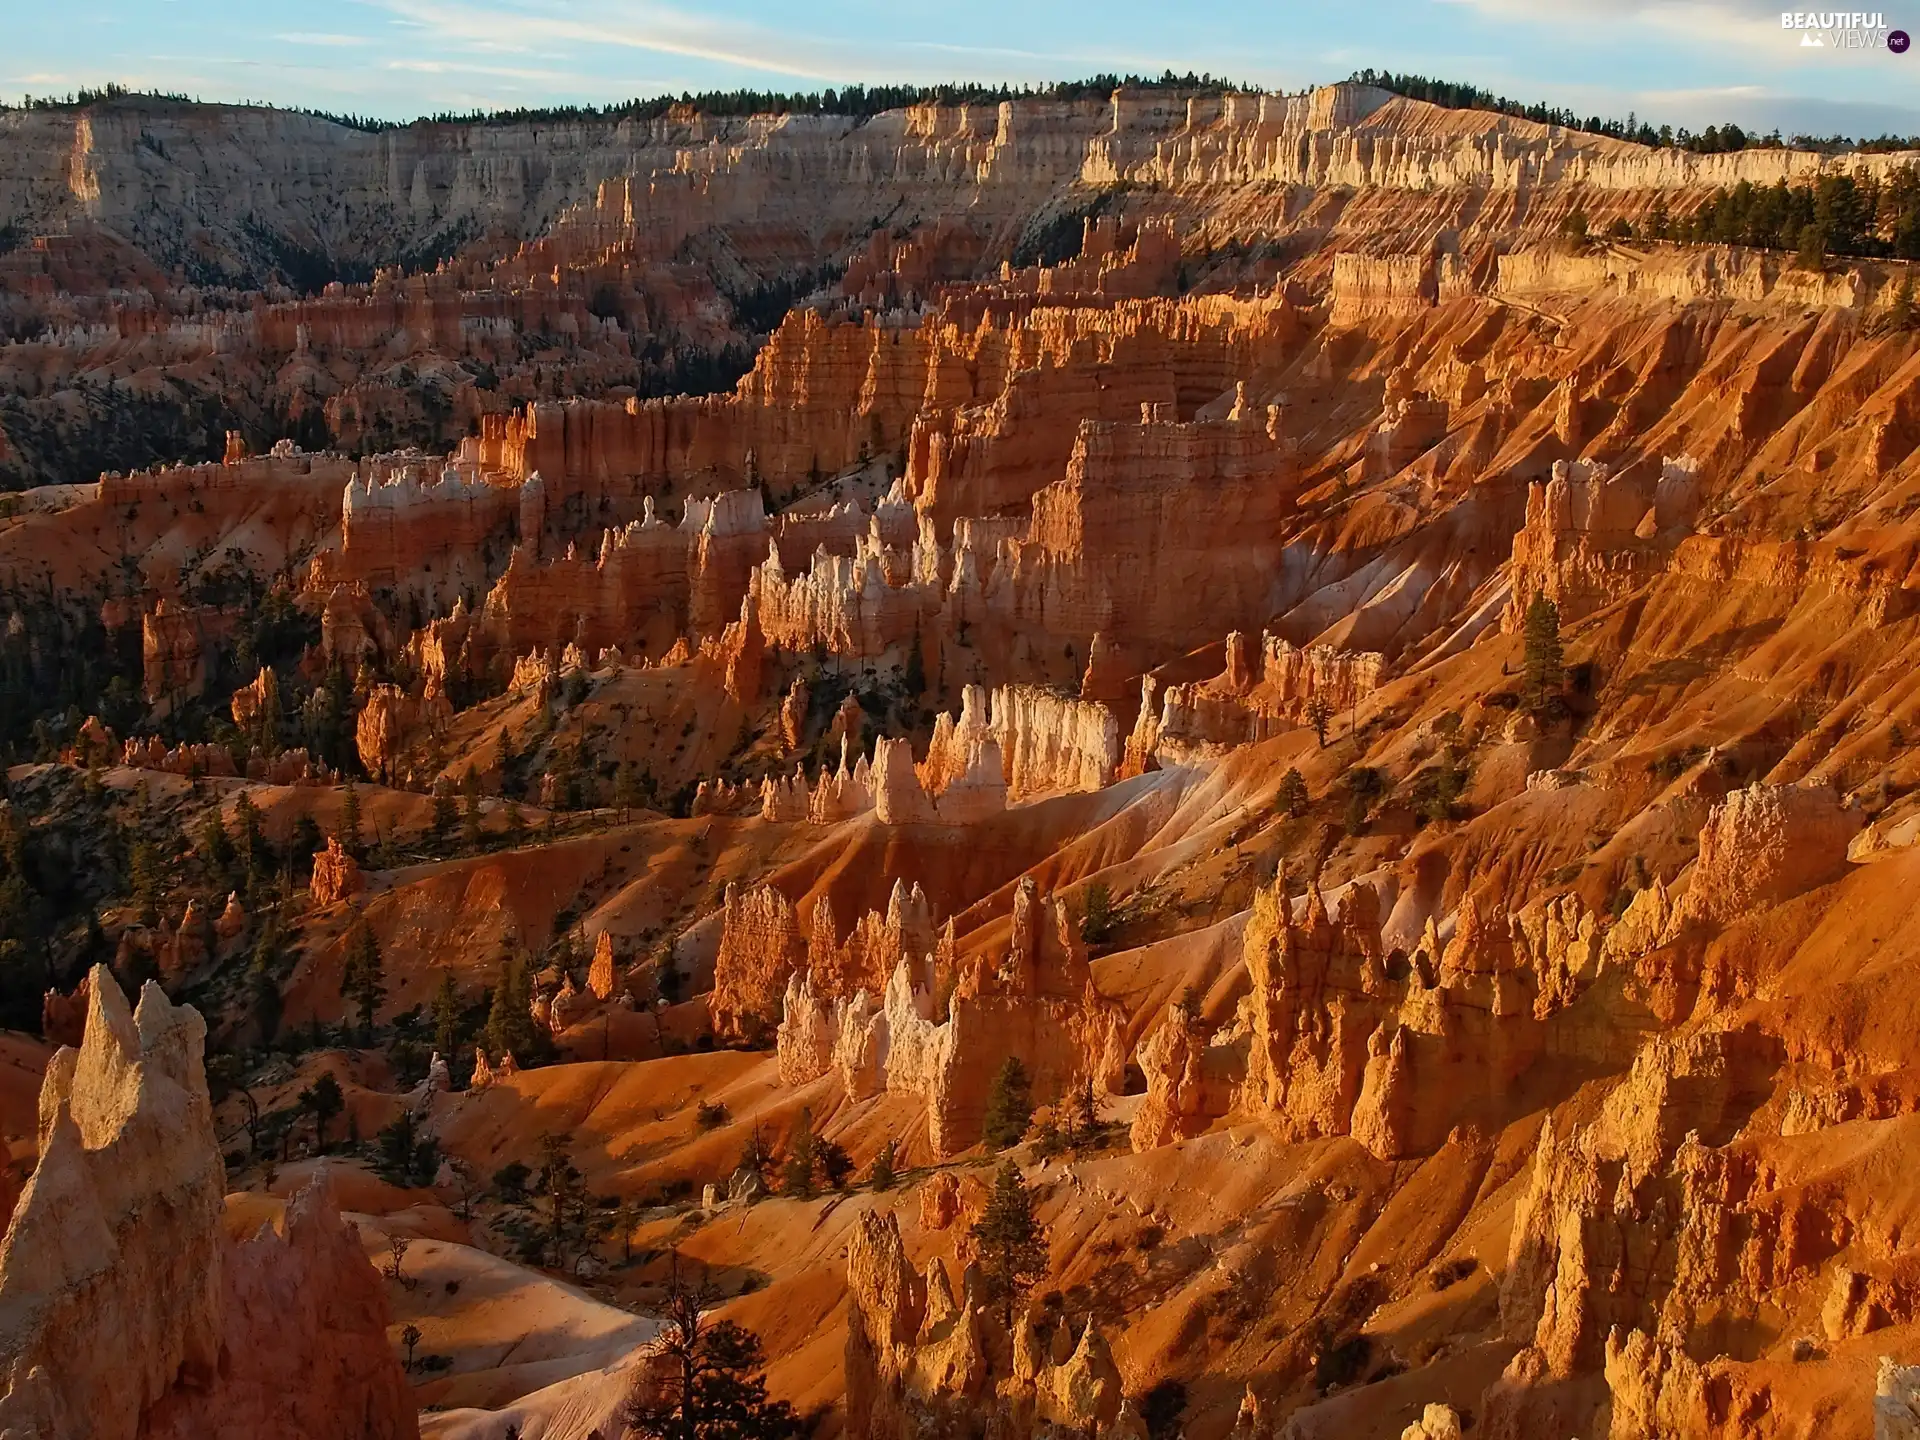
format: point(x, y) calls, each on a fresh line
point(500, 25)
point(462, 67)
point(308, 37)
point(642, 27)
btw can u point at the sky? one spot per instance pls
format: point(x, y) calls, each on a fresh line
point(1692, 62)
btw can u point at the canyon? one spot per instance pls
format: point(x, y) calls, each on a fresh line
point(717, 695)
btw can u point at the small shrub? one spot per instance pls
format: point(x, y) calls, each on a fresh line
point(1098, 923)
point(1442, 1277)
point(1161, 1409)
point(1342, 1362)
point(510, 1181)
point(711, 1114)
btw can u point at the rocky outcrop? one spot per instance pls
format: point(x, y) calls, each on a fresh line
point(1053, 742)
point(1592, 537)
point(830, 1014)
point(1436, 1422)
point(1152, 510)
point(1651, 1166)
point(63, 1018)
point(1764, 844)
point(336, 874)
point(1181, 722)
point(921, 1361)
point(127, 1313)
point(864, 1008)
point(174, 643)
point(1896, 1401)
point(419, 525)
point(1337, 1042)
point(390, 724)
point(761, 947)
point(110, 1271)
point(1035, 1001)
point(1367, 287)
point(1190, 1079)
point(258, 703)
point(330, 1369)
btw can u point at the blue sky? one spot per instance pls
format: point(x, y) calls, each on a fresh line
point(1690, 63)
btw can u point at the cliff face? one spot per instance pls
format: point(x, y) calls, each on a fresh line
point(127, 1312)
point(150, 169)
point(1148, 511)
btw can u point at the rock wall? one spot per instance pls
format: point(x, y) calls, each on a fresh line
point(1337, 1045)
point(1653, 1165)
point(1052, 742)
point(761, 946)
point(1147, 513)
point(1180, 722)
point(411, 523)
point(149, 169)
point(1368, 287)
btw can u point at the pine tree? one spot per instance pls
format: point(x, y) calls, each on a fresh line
point(470, 832)
point(1900, 311)
point(1293, 798)
point(915, 678)
point(307, 839)
point(1009, 1105)
point(626, 788)
point(143, 878)
point(1097, 922)
point(1319, 714)
point(510, 1017)
point(1013, 1243)
point(1542, 669)
point(363, 980)
point(350, 818)
point(1083, 1120)
point(446, 1016)
point(564, 1187)
point(706, 1382)
point(216, 846)
point(323, 1101)
point(881, 1176)
point(797, 1176)
point(444, 813)
point(754, 1155)
point(516, 824)
point(246, 832)
point(1812, 251)
point(834, 1164)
